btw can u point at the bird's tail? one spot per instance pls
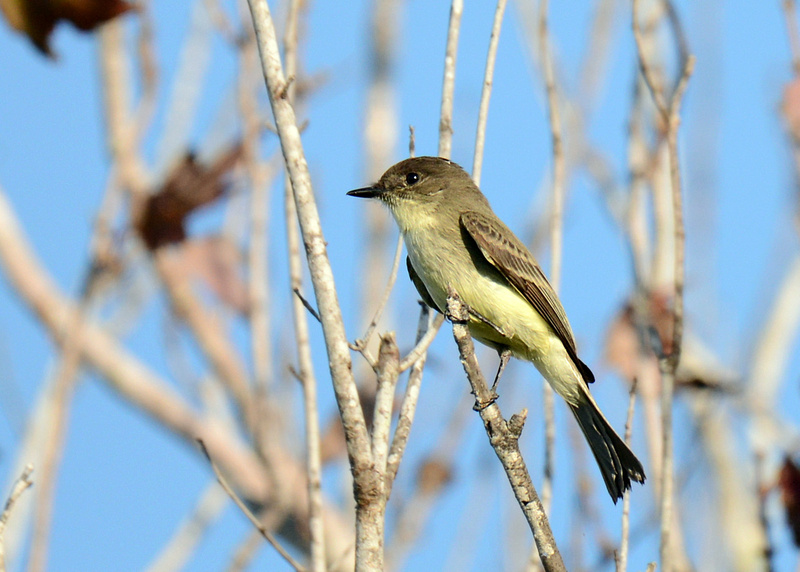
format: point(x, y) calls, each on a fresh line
point(617, 462)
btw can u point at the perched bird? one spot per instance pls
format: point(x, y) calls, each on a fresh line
point(454, 239)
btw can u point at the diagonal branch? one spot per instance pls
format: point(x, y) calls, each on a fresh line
point(504, 438)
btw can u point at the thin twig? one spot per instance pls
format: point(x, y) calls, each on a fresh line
point(147, 392)
point(622, 556)
point(556, 227)
point(20, 486)
point(449, 79)
point(248, 513)
point(422, 345)
point(409, 405)
point(504, 438)
point(57, 428)
point(668, 363)
point(302, 338)
point(176, 553)
point(363, 341)
point(306, 304)
point(369, 550)
point(308, 216)
point(790, 15)
point(486, 92)
point(380, 134)
point(388, 372)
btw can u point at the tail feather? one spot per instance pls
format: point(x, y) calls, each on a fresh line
point(617, 463)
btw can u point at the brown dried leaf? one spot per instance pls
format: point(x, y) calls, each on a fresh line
point(37, 18)
point(789, 484)
point(698, 369)
point(189, 186)
point(791, 107)
point(622, 344)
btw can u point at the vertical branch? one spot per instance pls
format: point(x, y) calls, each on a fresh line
point(358, 446)
point(449, 79)
point(258, 248)
point(302, 339)
point(369, 547)
point(409, 405)
point(388, 371)
point(380, 136)
point(622, 557)
point(56, 431)
point(790, 15)
point(556, 227)
point(669, 112)
point(486, 92)
point(122, 141)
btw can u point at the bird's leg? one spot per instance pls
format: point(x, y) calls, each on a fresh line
point(504, 354)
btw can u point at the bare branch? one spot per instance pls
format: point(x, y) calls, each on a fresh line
point(361, 343)
point(20, 486)
point(670, 115)
point(321, 275)
point(387, 368)
point(409, 405)
point(303, 342)
point(556, 226)
point(176, 553)
point(305, 303)
point(449, 80)
point(248, 513)
point(422, 345)
point(504, 438)
point(622, 556)
point(486, 92)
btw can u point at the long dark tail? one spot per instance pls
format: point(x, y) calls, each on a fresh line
point(617, 462)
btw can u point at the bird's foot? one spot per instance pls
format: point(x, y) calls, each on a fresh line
point(505, 355)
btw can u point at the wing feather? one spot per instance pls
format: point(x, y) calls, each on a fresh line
point(503, 250)
point(420, 286)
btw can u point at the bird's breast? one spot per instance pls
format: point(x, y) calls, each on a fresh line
point(442, 259)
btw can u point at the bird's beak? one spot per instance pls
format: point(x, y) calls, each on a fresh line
point(366, 192)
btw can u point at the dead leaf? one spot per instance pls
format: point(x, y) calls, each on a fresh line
point(791, 107)
point(189, 186)
point(789, 485)
point(37, 18)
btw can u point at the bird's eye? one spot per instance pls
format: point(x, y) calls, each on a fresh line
point(412, 178)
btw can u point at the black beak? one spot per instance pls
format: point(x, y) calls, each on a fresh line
point(366, 192)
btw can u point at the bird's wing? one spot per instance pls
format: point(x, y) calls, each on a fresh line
point(420, 285)
point(510, 257)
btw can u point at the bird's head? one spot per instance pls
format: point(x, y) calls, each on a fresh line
point(415, 189)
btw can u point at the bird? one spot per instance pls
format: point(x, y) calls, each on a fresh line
point(454, 240)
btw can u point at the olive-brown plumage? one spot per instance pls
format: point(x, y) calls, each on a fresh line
point(454, 239)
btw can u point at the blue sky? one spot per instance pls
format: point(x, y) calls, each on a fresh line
point(125, 484)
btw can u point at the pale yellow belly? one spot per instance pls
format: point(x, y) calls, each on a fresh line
point(515, 323)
